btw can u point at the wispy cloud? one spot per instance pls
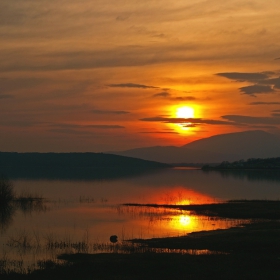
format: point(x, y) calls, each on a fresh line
point(255, 89)
point(122, 17)
point(109, 112)
point(107, 126)
point(188, 121)
point(243, 77)
point(98, 126)
point(252, 120)
point(131, 85)
point(264, 103)
point(70, 131)
point(159, 132)
point(190, 125)
point(6, 96)
point(169, 96)
point(163, 94)
point(275, 82)
point(21, 123)
point(262, 82)
point(184, 98)
point(232, 120)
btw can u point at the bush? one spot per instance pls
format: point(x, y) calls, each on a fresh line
point(6, 191)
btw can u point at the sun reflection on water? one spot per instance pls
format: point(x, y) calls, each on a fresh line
point(182, 223)
point(183, 196)
point(184, 220)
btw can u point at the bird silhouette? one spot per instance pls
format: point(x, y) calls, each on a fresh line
point(114, 239)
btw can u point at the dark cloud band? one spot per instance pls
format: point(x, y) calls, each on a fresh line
point(130, 85)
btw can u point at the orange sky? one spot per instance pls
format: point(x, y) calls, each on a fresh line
point(110, 75)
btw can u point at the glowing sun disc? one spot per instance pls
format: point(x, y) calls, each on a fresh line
point(185, 112)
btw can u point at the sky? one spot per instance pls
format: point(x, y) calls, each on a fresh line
point(104, 75)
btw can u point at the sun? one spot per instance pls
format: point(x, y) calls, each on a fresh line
point(185, 112)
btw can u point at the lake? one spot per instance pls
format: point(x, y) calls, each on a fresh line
point(77, 215)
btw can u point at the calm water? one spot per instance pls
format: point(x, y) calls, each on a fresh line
point(79, 212)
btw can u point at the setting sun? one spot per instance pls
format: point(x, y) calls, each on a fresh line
point(185, 112)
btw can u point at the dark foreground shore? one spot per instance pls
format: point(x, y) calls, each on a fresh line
point(250, 251)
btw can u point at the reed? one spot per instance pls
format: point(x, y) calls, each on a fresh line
point(7, 193)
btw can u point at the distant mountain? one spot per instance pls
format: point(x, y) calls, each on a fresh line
point(72, 165)
point(218, 148)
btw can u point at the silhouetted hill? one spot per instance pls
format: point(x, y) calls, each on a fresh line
point(255, 143)
point(218, 148)
point(72, 165)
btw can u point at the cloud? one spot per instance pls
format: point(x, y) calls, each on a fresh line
point(6, 96)
point(103, 126)
point(154, 119)
point(98, 126)
point(252, 120)
point(255, 89)
point(122, 17)
point(277, 58)
point(170, 97)
point(159, 35)
point(190, 125)
point(35, 58)
point(184, 98)
point(187, 121)
point(20, 123)
point(108, 112)
point(233, 120)
point(275, 82)
point(262, 83)
point(264, 103)
point(276, 111)
point(11, 84)
point(130, 85)
point(163, 94)
point(242, 77)
point(69, 131)
point(159, 132)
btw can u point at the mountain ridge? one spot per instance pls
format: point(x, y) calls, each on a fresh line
point(217, 148)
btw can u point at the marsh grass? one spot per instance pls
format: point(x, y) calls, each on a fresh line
point(21, 240)
point(237, 249)
point(7, 193)
point(37, 251)
point(10, 202)
point(233, 209)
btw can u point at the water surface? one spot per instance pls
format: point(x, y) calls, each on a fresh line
point(90, 211)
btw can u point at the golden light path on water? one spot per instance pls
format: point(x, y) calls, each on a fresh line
point(160, 220)
point(163, 222)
